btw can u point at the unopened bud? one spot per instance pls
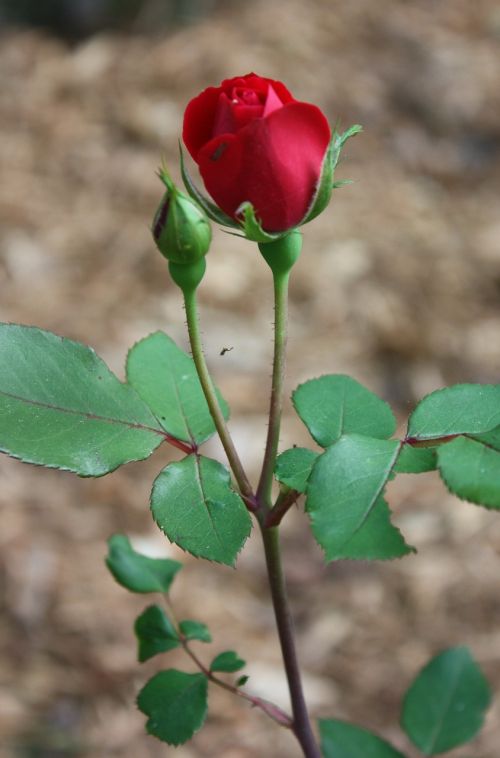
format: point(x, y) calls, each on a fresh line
point(180, 229)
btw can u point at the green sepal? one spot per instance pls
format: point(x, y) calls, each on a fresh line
point(228, 661)
point(341, 139)
point(445, 705)
point(137, 572)
point(155, 633)
point(175, 704)
point(326, 184)
point(252, 227)
point(342, 183)
point(339, 739)
point(195, 630)
point(213, 211)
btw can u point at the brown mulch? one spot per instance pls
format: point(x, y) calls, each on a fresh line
point(398, 285)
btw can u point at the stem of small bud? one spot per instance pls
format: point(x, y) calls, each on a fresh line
point(187, 276)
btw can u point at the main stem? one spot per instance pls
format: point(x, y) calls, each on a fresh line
point(190, 303)
point(301, 724)
point(270, 535)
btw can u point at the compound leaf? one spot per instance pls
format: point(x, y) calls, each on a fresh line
point(333, 405)
point(416, 460)
point(137, 572)
point(165, 377)
point(294, 466)
point(227, 661)
point(175, 704)
point(471, 470)
point(61, 407)
point(461, 409)
point(339, 739)
point(155, 633)
point(194, 505)
point(195, 630)
point(445, 705)
point(344, 499)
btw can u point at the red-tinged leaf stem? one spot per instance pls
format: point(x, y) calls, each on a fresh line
point(284, 502)
point(270, 709)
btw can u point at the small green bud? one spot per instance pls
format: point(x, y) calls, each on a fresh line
point(180, 229)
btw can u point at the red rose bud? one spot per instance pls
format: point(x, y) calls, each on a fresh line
point(180, 228)
point(254, 143)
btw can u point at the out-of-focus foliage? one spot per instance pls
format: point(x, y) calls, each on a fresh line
point(75, 19)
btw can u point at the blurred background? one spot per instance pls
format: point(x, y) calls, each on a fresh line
point(398, 285)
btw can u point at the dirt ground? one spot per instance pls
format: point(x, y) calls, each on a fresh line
point(398, 285)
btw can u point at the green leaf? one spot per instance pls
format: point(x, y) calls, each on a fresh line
point(348, 516)
point(137, 572)
point(471, 470)
point(60, 406)
point(165, 377)
point(491, 438)
point(195, 630)
point(227, 661)
point(445, 705)
point(213, 211)
point(339, 739)
point(335, 404)
point(416, 460)
point(175, 704)
point(155, 633)
point(242, 680)
point(194, 505)
point(294, 466)
point(461, 409)
point(378, 539)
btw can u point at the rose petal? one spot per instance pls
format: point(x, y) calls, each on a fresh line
point(199, 119)
point(272, 102)
point(200, 113)
point(273, 162)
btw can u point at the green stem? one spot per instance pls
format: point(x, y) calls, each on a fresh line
point(301, 724)
point(280, 279)
point(191, 305)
